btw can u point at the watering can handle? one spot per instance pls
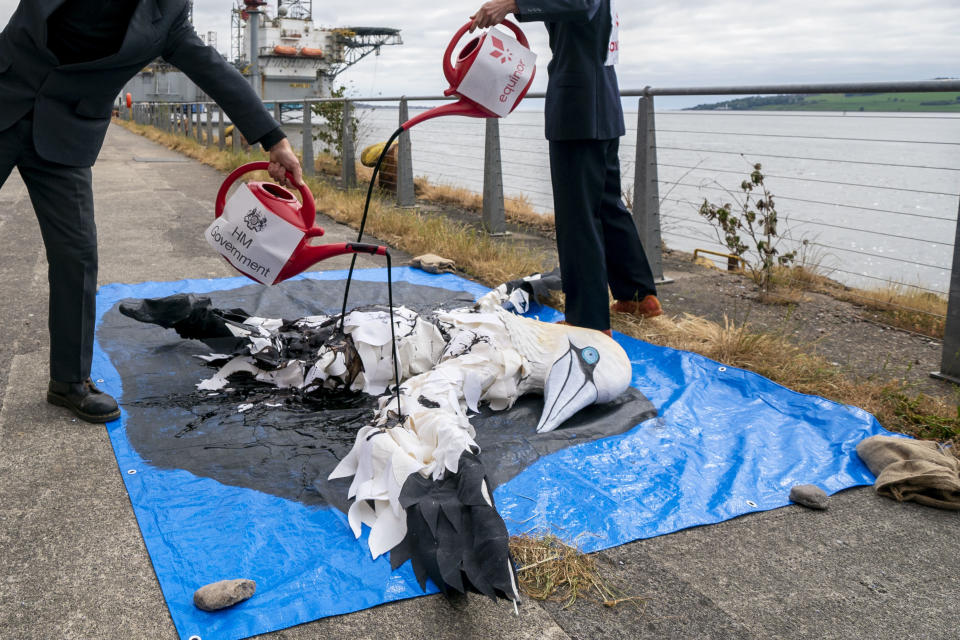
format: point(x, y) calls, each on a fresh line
point(309, 208)
point(448, 56)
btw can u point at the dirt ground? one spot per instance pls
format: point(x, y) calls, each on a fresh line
point(847, 335)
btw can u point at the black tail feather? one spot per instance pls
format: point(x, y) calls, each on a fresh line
point(455, 536)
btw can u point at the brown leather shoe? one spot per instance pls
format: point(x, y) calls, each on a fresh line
point(84, 400)
point(606, 332)
point(649, 307)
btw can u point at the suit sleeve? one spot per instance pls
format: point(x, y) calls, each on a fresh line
point(556, 10)
point(220, 80)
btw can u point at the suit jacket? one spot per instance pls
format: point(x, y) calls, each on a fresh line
point(72, 103)
point(583, 99)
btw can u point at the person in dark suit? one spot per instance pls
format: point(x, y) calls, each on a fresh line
point(62, 65)
point(597, 240)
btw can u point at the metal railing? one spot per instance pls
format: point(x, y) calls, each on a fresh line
point(198, 120)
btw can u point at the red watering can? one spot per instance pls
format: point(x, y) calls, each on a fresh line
point(492, 74)
point(265, 233)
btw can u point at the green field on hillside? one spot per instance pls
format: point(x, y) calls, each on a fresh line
point(932, 101)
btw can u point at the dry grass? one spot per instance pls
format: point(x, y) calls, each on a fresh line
point(516, 209)
point(898, 304)
point(489, 260)
point(548, 569)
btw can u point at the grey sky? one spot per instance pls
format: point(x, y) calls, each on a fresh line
point(680, 43)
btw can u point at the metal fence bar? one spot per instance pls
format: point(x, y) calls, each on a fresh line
point(278, 112)
point(405, 194)
point(309, 166)
point(221, 129)
point(236, 138)
point(494, 217)
point(950, 356)
point(209, 140)
point(646, 195)
point(348, 159)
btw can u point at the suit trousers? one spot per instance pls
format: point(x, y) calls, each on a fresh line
point(597, 240)
point(62, 199)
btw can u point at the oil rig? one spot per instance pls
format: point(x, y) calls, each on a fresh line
point(278, 48)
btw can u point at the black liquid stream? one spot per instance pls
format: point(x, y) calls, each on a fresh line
point(353, 262)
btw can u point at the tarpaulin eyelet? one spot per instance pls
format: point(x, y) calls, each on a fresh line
point(195, 638)
point(131, 471)
point(751, 503)
point(721, 369)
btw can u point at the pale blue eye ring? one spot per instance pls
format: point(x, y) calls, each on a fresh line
point(590, 355)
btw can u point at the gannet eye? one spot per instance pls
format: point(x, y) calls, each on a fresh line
point(590, 355)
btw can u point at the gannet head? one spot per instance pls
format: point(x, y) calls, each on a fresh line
point(588, 367)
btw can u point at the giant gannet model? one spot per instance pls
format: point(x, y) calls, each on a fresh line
point(417, 478)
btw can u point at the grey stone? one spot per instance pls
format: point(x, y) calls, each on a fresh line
point(219, 595)
point(809, 495)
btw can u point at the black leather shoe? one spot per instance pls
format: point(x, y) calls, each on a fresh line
point(84, 399)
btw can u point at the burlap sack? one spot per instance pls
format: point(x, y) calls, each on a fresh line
point(915, 470)
point(432, 263)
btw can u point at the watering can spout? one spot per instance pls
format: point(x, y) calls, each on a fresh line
point(458, 108)
point(312, 254)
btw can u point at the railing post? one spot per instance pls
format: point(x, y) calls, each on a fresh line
point(405, 194)
point(277, 113)
point(494, 222)
point(236, 138)
point(950, 358)
point(348, 160)
point(209, 109)
point(309, 167)
point(646, 194)
point(221, 128)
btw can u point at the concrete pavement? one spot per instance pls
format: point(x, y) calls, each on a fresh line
point(73, 564)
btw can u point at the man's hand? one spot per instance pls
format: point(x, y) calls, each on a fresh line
point(282, 160)
point(492, 13)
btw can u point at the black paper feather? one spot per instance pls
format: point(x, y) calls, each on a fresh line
point(454, 536)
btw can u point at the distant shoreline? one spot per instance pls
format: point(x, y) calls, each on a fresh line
point(946, 101)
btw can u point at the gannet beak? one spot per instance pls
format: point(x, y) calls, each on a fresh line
point(569, 387)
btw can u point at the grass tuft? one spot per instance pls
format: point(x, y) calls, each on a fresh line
point(548, 569)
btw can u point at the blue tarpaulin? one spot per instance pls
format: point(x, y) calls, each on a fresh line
point(726, 442)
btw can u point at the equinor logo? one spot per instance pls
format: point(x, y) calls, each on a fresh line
point(513, 81)
point(500, 51)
